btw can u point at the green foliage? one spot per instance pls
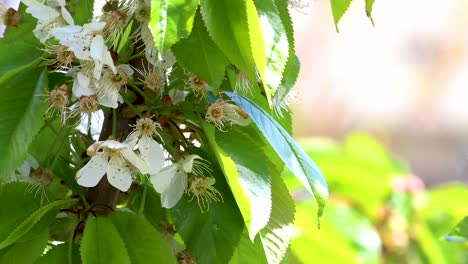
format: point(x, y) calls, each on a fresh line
point(460, 232)
point(82, 11)
point(102, 243)
point(171, 20)
point(21, 115)
point(339, 8)
point(230, 31)
point(203, 58)
point(289, 152)
point(18, 47)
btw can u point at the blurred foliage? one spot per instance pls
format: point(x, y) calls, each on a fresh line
point(378, 211)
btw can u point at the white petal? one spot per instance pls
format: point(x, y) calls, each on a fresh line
point(92, 172)
point(118, 174)
point(132, 139)
point(32, 161)
point(152, 153)
point(67, 16)
point(174, 192)
point(136, 161)
point(187, 163)
point(96, 51)
point(81, 86)
point(107, 60)
point(109, 99)
point(163, 178)
point(41, 11)
point(126, 68)
point(114, 145)
point(93, 26)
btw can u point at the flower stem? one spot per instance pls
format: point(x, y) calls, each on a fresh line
point(143, 201)
point(114, 123)
point(138, 90)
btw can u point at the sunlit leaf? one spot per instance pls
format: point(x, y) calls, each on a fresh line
point(460, 232)
point(25, 252)
point(288, 150)
point(170, 21)
point(339, 7)
point(228, 25)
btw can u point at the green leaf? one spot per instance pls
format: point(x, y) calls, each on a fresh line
point(276, 45)
point(171, 20)
point(291, 73)
point(82, 11)
point(277, 234)
point(17, 205)
point(102, 243)
point(249, 252)
point(142, 241)
point(460, 232)
point(252, 174)
point(212, 236)
point(59, 255)
point(32, 220)
point(228, 25)
point(152, 209)
point(369, 5)
point(200, 55)
point(19, 48)
point(339, 7)
point(25, 252)
point(21, 115)
point(287, 149)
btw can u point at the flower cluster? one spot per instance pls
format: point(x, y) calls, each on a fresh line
point(111, 62)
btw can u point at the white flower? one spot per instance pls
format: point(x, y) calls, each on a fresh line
point(25, 169)
point(87, 43)
point(48, 17)
point(109, 85)
point(150, 150)
point(221, 113)
point(111, 160)
point(171, 181)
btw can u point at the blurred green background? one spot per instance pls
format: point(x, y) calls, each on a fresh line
point(378, 212)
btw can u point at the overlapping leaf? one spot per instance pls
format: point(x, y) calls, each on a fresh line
point(287, 149)
point(212, 236)
point(21, 115)
point(200, 55)
point(102, 243)
point(170, 21)
point(19, 47)
point(276, 45)
point(251, 172)
point(230, 28)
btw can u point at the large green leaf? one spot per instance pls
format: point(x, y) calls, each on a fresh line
point(82, 11)
point(25, 252)
point(287, 149)
point(200, 55)
point(248, 251)
point(369, 5)
point(142, 241)
point(17, 205)
point(228, 25)
point(276, 45)
point(60, 255)
point(277, 234)
point(170, 21)
point(339, 7)
point(212, 236)
point(32, 220)
point(21, 115)
point(19, 48)
point(102, 243)
point(251, 172)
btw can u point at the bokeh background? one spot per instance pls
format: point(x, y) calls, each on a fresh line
point(404, 80)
